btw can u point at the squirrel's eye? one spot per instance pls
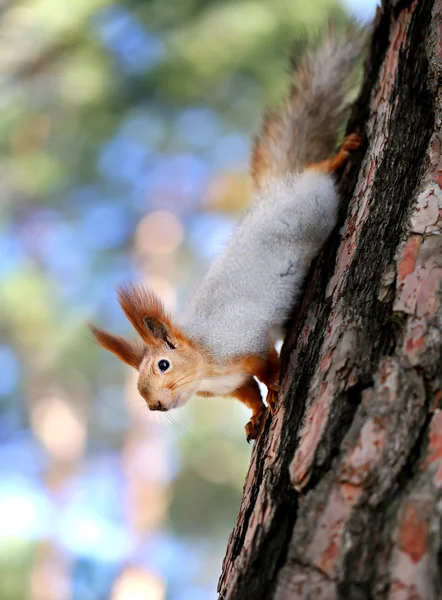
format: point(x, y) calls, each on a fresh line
point(163, 365)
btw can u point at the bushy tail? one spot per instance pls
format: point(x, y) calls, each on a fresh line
point(306, 128)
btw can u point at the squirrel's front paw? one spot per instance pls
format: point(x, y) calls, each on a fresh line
point(254, 426)
point(272, 397)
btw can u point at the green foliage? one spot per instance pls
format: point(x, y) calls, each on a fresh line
point(16, 558)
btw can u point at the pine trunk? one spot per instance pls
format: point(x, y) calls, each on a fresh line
point(343, 498)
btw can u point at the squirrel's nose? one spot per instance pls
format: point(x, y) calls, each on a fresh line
point(158, 406)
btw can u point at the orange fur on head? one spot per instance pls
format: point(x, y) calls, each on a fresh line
point(129, 352)
point(147, 314)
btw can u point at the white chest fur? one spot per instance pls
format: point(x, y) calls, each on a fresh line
point(222, 385)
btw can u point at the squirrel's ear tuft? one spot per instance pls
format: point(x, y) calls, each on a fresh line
point(146, 313)
point(130, 353)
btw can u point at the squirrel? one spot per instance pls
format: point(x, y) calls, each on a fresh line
point(226, 341)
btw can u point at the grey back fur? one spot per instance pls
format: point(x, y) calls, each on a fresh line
point(251, 287)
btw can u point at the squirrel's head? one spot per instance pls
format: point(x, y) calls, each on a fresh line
point(168, 362)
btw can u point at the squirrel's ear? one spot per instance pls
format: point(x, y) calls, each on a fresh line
point(146, 313)
point(130, 353)
point(159, 330)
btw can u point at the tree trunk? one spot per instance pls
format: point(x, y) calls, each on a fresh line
point(343, 498)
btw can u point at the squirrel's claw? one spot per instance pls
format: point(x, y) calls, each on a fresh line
point(272, 397)
point(353, 141)
point(254, 426)
point(252, 430)
point(339, 160)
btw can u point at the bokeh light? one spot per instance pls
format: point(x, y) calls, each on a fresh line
point(159, 232)
point(135, 584)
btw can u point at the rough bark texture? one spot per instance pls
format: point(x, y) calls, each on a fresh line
point(343, 498)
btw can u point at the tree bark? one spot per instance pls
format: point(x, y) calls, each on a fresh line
point(343, 497)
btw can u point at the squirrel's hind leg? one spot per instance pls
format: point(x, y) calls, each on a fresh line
point(340, 159)
point(250, 395)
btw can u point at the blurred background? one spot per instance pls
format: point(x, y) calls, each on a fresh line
point(125, 135)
